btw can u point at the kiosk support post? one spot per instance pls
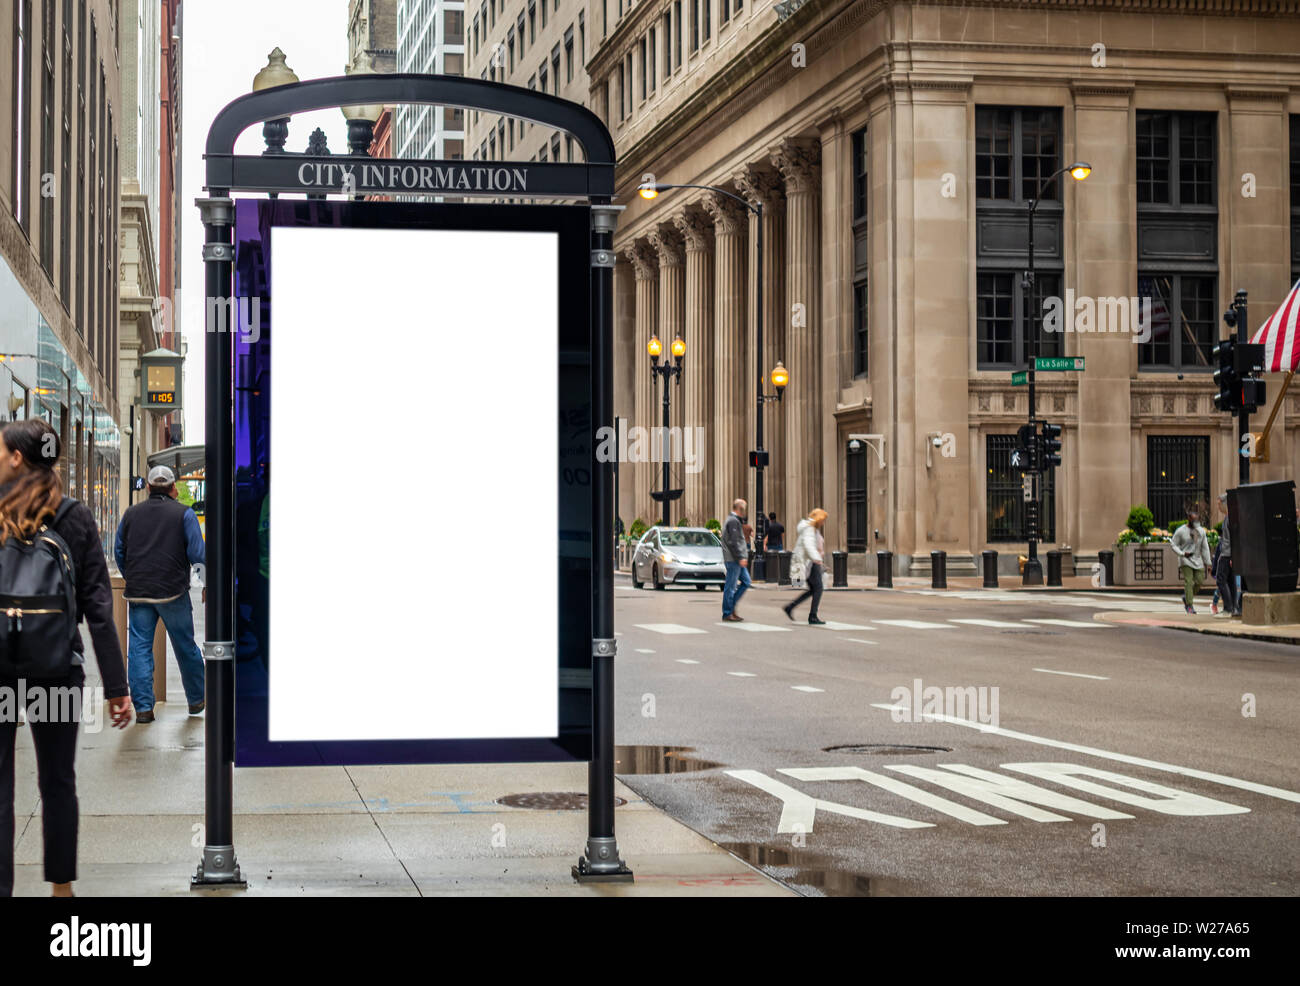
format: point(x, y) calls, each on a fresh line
point(218, 867)
point(601, 862)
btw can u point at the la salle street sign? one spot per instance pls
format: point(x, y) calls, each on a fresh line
point(1059, 364)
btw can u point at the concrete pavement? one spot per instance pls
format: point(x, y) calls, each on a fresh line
point(372, 830)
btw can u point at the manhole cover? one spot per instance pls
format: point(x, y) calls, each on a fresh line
point(887, 749)
point(550, 801)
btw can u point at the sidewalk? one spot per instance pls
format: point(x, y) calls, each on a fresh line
point(345, 831)
point(1203, 622)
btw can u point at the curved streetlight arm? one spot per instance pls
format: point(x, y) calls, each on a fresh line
point(756, 210)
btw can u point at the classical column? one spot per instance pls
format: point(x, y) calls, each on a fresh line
point(642, 259)
point(730, 365)
point(697, 231)
point(762, 186)
point(798, 161)
point(668, 246)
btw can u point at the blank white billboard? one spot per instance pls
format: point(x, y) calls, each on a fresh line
point(414, 444)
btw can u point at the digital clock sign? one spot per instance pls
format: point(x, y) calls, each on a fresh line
point(162, 374)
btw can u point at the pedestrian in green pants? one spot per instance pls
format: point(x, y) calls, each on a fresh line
point(1193, 550)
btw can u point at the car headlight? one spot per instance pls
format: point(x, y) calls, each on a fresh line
point(667, 557)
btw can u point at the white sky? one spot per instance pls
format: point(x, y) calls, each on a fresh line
point(226, 43)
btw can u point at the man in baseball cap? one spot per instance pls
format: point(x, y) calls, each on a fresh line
point(157, 542)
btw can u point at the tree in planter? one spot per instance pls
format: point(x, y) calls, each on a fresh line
point(714, 525)
point(637, 529)
point(1141, 520)
point(684, 522)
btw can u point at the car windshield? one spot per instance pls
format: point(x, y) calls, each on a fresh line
point(689, 539)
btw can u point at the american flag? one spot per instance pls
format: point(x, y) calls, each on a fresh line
point(1278, 334)
point(1149, 288)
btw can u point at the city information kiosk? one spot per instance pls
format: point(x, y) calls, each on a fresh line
point(428, 379)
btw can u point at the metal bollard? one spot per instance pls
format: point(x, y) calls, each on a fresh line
point(1054, 567)
point(785, 567)
point(938, 569)
point(990, 570)
point(839, 569)
point(1107, 561)
point(884, 569)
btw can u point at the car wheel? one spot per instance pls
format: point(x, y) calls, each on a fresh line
point(654, 573)
point(701, 586)
point(636, 583)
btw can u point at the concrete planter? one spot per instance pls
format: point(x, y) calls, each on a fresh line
point(1146, 564)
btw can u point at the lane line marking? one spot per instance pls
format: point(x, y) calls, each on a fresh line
point(668, 628)
point(855, 640)
point(686, 660)
point(741, 674)
point(1092, 751)
point(644, 650)
point(1073, 674)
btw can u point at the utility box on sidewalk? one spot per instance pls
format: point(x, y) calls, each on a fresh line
point(159, 639)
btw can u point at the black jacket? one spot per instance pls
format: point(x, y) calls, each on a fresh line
point(151, 549)
point(94, 595)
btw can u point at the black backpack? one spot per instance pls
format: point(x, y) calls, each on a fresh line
point(38, 603)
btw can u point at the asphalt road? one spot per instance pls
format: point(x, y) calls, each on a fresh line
point(1136, 771)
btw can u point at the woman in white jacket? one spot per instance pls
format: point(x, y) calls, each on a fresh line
point(807, 558)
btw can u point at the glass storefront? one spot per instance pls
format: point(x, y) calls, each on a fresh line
point(39, 379)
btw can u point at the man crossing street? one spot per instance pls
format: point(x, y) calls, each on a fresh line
point(735, 556)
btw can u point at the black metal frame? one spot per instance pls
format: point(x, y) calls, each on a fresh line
point(278, 172)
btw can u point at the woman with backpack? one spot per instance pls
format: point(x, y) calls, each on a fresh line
point(53, 574)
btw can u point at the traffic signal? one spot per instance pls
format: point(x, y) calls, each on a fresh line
point(1225, 377)
point(1022, 456)
point(1051, 445)
point(1252, 394)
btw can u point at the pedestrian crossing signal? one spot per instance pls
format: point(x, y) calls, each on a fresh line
point(758, 459)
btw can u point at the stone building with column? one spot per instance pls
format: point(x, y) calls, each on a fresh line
point(895, 147)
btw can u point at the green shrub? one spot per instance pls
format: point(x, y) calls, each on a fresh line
point(637, 529)
point(714, 525)
point(1141, 520)
point(684, 522)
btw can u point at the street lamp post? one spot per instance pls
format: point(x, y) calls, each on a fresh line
point(780, 375)
point(1033, 574)
point(667, 371)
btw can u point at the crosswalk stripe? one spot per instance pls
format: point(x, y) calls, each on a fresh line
point(644, 650)
point(832, 625)
point(1072, 674)
point(989, 623)
point(1068, 623)
point(754, 627)
point(667, 628)
point(916, 625)
point(686, 660)
point(741, 674)
point(855, 640)
point(806, 688)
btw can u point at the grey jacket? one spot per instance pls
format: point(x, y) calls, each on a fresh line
point(1225, 542)
point(733, 539)
point(1192, 547)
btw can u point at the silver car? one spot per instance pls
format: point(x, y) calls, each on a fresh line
point(678, 556)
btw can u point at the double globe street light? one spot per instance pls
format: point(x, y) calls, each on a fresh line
point(668, 371)
point(780, 376)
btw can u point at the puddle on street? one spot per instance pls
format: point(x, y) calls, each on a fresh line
point(659, 760)
point(814, 871)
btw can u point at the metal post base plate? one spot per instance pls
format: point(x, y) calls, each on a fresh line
point(606, 868)
point(218, 870)
point(1033, 572)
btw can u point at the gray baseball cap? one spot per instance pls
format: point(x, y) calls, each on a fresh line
point(161, 476)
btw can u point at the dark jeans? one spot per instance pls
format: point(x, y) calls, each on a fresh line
point(814, 580)
point(56, 751)
point(1227, 585)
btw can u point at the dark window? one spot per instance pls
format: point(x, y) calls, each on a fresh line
point(645, 88)
point(65, 176)
point(695, 24)
point(1184, 323)
point(668, 43)
point(859, 144)
point(22, 101)
point(1004, 494)
point(568, 55)
point(555, 147)
point(555, 69)
point(453, 63)
point(48, 127)
point(1178, 475)
point(1004, 309)
point(453, 26)
point(1016, 150)
point(706, 20)
point(650, 52)
point(860, 328)
point(677, 33)
point(1175, 158)
point(855, 497)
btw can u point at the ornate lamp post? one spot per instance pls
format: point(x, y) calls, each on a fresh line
point(666, 370)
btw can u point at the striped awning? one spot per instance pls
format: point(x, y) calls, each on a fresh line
point(1279, 334)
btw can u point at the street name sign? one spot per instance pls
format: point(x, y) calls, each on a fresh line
point(1058, 363)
